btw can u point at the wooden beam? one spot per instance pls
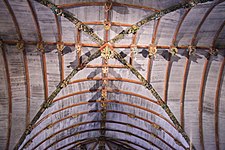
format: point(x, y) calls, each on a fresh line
point(9, 90)
point(60, 53)
point(14, 42)
point(93, 148)
point(217, 102)
point(218, 90)
point(201, 97)
point(186, 68)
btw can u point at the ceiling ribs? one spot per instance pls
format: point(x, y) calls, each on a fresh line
point(107, 129)
point(218, 90)
point(155, 125)
point(89, 122)
point(204, 75)
point(60, 47)
point(110, 148)
point(186, 69)
point(9, 95)
point(71, 18)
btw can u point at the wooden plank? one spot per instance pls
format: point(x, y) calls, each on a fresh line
point(9, 97)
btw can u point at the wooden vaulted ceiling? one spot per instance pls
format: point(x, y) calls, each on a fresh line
point(129, 117)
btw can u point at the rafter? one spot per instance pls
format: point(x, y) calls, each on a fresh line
point(122, 144)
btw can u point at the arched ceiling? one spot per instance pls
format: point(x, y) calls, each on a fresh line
point(161, 86)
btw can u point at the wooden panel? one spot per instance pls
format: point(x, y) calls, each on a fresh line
point(175, 83)
point(36, 79)
point(17, 77)
point(191, 98)
point(24, 19)
point(208, 103)
point(190, 24)
point(4, 103)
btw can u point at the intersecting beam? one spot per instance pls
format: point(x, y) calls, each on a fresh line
point(78, 143)
point(14, 42)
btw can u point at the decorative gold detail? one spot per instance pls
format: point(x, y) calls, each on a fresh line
point(78, 48)
point(133, 29)
point(74, 116)
point(107, 52)
point(49, 126)
point(107, 25)
point(156, 126)
point(191, 50)
point(133, 48)
point(28, 144)
point(173, 50)
point(20, 45)
point(103, 105)
point(213, 51)
point(152, 50)
point(104, 93)
point(60, 46)
point(108, 5)
point(29, 129)
point(131, 115)
point(105, 70)
point(40, 47)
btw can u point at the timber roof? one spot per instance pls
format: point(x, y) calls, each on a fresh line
point(163, 86)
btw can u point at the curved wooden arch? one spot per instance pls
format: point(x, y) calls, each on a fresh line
point(84, 103)
point(108, 101)
point(88, 122)
point(106, 129)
